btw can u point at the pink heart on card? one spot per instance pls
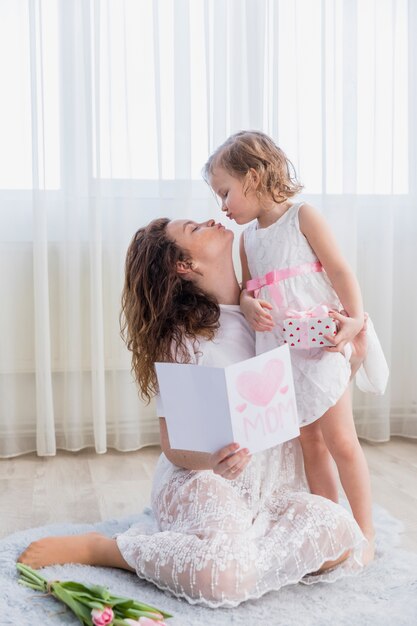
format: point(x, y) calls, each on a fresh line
point(260, 387)
point(241, 407)
point(284, 389)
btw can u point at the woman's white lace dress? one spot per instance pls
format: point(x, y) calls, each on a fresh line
point(218, 542)
point(320, 377)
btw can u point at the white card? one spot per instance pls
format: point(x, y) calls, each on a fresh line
point(251, 402)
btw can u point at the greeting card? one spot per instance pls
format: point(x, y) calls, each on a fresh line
point(251, 402)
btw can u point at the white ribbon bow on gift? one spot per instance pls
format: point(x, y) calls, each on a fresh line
point(316, 311)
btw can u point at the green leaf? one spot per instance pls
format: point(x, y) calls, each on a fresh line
point(94, 591)
point(121, 602)
point(72, 586)
point(92, 604)
point(100, 591)
point(146, 607)
point(137, 614)
point(134, 604)
point(87, 599)
point(81, 611)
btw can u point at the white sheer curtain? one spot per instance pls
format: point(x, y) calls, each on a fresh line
point(109, 109)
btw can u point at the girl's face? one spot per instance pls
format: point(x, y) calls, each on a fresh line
point(230, 190)
point(205, 242)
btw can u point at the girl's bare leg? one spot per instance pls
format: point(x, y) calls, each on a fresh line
point(340, 435)
point(88, 549)
point(318, 462)
point(319, 466)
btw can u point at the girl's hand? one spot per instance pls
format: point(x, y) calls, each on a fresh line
point(256, 315)
point(347, 329)
point(229, 463)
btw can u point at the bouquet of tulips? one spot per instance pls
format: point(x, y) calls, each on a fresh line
point(92, 604)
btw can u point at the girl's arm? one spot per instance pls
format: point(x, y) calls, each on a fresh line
point(253, 309)
point(321, 239)
point(224, 462)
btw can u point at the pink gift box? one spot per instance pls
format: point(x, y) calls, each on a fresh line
point(307, 330)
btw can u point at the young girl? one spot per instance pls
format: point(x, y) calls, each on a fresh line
point(253, 179)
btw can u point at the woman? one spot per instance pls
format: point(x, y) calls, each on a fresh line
point(226, 527)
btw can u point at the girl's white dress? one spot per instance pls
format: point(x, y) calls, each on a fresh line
point(218, 542)
point(320, 377)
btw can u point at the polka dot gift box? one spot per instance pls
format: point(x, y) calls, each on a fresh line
point(307, 329)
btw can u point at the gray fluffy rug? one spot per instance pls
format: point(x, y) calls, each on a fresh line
point(384, 594)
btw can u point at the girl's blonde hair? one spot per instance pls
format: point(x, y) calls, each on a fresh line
point(248, 150)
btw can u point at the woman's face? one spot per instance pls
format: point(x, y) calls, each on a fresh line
point(205, 242)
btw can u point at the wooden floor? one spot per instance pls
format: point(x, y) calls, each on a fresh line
point(87, 487)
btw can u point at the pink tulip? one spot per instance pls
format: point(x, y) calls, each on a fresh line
point(102, 617)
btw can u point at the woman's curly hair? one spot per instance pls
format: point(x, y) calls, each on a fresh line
point(247, 150)
point(161, 310)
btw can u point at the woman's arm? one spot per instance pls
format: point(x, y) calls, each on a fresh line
point(225, 462)
point(320, 237)
point(183, 458)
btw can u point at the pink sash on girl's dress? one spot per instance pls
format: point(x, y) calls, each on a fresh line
point(273, 278)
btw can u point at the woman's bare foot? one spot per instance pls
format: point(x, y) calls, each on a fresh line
point(330, 564)
point(88, 549)
point(368, 555)
point(59, 550)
